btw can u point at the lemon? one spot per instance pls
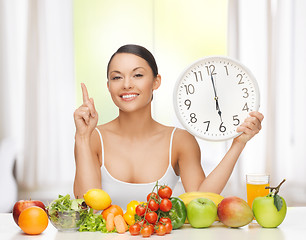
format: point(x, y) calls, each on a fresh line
point(97, 199)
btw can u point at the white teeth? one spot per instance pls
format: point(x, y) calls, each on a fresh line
point(129, 96)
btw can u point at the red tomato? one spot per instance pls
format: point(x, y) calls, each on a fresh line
point(152, 195)
point(168, 227)
point(134, 229)
point(141, 223)
point(161, 230)
point(151, 217)
point(151, 228)
point(165, 220)
point(140, 210)
point(165, 205)
point(165, 192)
point(153, 205)
point(146, 231)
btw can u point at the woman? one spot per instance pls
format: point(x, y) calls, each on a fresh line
point(126, 156)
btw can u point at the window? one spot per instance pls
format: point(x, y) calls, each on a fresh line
point(176, 32)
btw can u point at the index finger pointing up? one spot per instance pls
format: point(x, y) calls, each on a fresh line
point(85, 93)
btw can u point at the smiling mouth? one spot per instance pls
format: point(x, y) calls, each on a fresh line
point(129, 96)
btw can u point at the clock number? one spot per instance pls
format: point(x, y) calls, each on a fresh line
point(193, 118)
point(245, 90)
point(188, 103)
point(189, 89)
point(222, 128)
point(211, 69)
point(240, 78)
point(226, 69)
point(208, 122)
point(245, 107)
point(235, 118)
point(200, 76)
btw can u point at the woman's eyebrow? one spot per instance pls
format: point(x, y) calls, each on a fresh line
point(137, 68)
point(115, 71)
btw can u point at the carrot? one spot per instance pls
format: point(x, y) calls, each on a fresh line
point(120, 224)
point(110, 224)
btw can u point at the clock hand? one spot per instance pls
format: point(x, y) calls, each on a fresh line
point(216, 97)
point(218, 109)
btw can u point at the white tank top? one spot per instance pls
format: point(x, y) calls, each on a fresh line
point(122, 193)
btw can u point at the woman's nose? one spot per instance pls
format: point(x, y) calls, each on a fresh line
point(128, 83)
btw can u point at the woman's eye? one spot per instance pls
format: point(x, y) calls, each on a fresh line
point(138, 75)
point(116, 78)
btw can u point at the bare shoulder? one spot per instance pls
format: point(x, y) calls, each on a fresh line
point(103, 130)
point(107, 127)
point(183, 137)
point(184, 142)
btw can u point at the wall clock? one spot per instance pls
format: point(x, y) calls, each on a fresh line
point(213, 96)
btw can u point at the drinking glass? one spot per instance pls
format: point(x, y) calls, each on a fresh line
point(256, 184)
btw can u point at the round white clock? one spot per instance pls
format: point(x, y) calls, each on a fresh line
point(213, 96)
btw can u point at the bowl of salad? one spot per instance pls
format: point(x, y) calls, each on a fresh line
point(67, 214)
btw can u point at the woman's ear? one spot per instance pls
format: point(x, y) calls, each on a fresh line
point(157, 82)
point(107, 85)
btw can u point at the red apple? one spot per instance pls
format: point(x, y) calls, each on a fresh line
point(23, 204)
point(234, 212)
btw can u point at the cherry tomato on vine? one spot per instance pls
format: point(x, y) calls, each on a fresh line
point(153, 205)
point(161, 230)
point(141, 222)
point(168, 227)
point(135, 229)
point(151, 217)
point(165, 205)
point(165, 192)
point(146, 231)
point(140, 210)
point(152, 195)
point(165, 220)
point(152, 228)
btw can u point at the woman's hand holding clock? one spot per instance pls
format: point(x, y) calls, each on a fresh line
point(250, 127)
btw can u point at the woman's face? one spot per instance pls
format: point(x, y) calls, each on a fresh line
point(131, 82)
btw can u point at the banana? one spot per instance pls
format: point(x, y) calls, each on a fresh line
point(188, 196)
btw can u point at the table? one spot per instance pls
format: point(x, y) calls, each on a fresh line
point(293, 227)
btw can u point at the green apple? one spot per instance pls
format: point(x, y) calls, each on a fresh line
point(201, 212)
point(266, 213)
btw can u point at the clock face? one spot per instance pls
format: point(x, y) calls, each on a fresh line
point(213, 96)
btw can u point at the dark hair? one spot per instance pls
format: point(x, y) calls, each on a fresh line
point(140, 52)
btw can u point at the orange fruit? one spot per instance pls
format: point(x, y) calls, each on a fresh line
point(33, 220)
point(115, 209)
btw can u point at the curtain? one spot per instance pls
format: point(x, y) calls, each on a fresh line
point(38, 93)
point(269, 37)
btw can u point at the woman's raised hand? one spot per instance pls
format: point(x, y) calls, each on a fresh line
point(86, 116)
point(250, 127)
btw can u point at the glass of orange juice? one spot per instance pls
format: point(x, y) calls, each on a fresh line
point(256, 184)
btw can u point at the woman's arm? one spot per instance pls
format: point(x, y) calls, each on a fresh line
point(87, 174)
point(217, 179)
point(192, 175)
